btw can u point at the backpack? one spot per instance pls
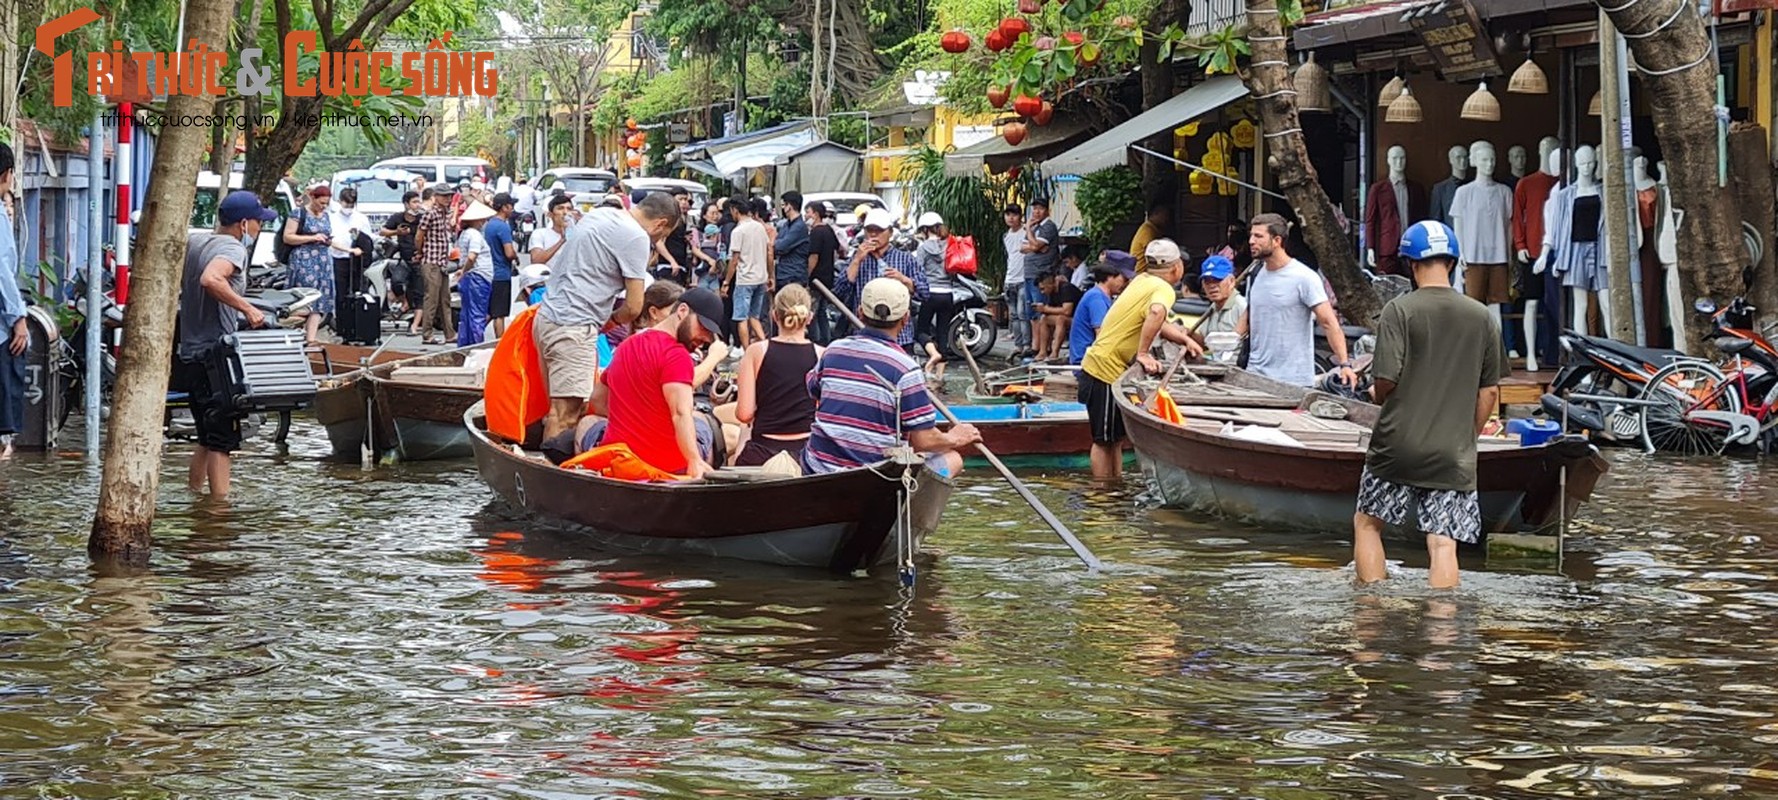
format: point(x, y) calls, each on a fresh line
point(960, 256)
point(280, 249)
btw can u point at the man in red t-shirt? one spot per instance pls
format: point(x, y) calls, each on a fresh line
point(646, 394)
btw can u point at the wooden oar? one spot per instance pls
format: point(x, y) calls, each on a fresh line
point(1067, 536)
point(981, 382)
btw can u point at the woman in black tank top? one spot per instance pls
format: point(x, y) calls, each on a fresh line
point(774, 392)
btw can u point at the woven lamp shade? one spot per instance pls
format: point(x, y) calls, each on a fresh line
point(1596, 106)
point(1528, 79)
point(1314, 90)
point(1391, 90)
point(1404, 108)
point(1481, 105)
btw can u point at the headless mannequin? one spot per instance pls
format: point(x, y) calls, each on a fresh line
point(1481, 213)
point(1444, 191)
point(1666, 235)
point(1528, 201)
point(1566, 248)
point(1391, 205)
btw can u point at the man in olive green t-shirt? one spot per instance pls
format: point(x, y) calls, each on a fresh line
point(1437, 372)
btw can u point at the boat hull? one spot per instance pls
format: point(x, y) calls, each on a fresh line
point(840, 522)
point(1520, 489)
point(410, 420)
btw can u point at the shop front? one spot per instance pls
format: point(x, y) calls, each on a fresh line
point(1483, 92)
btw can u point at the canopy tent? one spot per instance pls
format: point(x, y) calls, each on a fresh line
point(1111, 148)
point(995, 154)
point(819, 167)
point(729, 156)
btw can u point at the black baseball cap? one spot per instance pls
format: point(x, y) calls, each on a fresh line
point(707, 305)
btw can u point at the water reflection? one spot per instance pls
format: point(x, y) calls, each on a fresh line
point(342, 632)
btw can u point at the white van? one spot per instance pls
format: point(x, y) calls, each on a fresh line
point(209, 196)
point(379, 192)
point(440, 169)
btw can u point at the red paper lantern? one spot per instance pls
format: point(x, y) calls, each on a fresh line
point(954, 41)
point(997, 40)
point(637, 141)
point(1030, 6)
point(635, 161)
point(1044, 114)
point(1013, 133)
point(997, 96)
point(1074, 38)
point(1013, 27)
point(630, 123)
point(1027, 106)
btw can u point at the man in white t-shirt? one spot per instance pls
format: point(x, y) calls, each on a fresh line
point(605, 255)
point(749, 274)
point(1018, 307)
point(1284, 302)
point(524, 198)
point(547, 240)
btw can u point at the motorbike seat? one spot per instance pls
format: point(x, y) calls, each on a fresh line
point(1191, 306)
point(1732, 346)
point(1654, 356)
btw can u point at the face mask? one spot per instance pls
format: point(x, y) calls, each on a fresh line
point(347, 208)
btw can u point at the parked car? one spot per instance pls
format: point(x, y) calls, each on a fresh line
point(842, 204)
point(379, 191)
point(440, 169)
point(586, 186)
point(700, 193)
point(209, 196)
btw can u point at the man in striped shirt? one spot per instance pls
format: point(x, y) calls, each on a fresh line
point(876, 258)
point(869, 395)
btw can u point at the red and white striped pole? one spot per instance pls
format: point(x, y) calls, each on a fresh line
point(123, 161)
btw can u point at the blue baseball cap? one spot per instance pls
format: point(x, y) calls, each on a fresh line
point(1216, 268)
point(242, 205)
point(1121, 261)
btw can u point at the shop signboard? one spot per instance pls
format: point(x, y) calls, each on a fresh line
point(1457, 40)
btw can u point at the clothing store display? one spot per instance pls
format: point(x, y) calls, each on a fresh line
point(1388, 210)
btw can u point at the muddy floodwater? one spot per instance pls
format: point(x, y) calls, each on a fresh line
point(394, 633)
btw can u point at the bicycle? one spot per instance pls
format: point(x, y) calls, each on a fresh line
point(1696, 408)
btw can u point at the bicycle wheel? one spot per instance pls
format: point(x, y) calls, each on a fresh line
point(1680, 388)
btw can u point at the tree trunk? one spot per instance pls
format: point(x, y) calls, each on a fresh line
point(1683, 105)
point(1750, 170)
point(9, 68)
point(1269, 78)
point(282, 145)
point(1160, 177)
point(131, 478)
point(222, 138)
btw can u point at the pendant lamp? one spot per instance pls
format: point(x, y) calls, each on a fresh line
point(1404, 108)
point(1528, 79)
point(1596, 106)
point(1481, 105)
point(1391, 90)
point(1313, 89)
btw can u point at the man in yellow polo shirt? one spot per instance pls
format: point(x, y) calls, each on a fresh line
point(1129, 330)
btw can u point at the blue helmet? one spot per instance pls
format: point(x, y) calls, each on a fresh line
point(1429, 239)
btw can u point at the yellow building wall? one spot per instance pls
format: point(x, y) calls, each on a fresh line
point(889, 164)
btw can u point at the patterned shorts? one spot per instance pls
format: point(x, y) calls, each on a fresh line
point(1453, 514)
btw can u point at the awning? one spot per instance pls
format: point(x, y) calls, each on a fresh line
point(1110, 148)
point(994, 153)
point(730, 155)
point(1388, 18)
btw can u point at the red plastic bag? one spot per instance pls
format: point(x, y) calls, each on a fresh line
point(960, 256)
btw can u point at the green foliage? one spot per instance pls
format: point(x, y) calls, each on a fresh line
point(656, 158)
point(1108, 198)
point(1222, 50)
point(970, 205)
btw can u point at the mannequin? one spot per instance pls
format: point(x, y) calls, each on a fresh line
point(1528, 200)
point(1574, 235)
point(1445, 190)
point(1481, 213)
point(1666, 236)
point(1515, 165)
point(1390, 206)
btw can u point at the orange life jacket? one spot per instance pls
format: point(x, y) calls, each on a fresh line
point(1166, 409)
point(516, 391)
point(619, 462)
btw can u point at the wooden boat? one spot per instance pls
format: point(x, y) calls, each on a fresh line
point(1033, 435)
point(340, 359)
point(1314, 485)
point(842, 521)
point(412, 408)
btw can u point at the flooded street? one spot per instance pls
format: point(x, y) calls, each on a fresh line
point(344, 633)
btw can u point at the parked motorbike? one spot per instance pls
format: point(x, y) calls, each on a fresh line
point(523, 226)
point(973, 326)
point(377, 276)
point(1594, 371)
